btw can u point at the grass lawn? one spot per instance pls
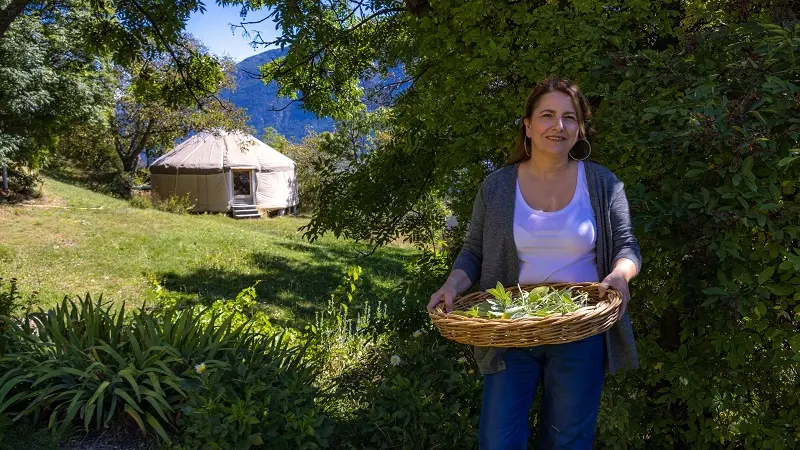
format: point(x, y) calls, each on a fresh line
point(74, 241)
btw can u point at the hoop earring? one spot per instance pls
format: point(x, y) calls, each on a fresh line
point(525, 143)
point(583, 150)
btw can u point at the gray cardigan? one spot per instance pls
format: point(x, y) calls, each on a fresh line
point(489, 253)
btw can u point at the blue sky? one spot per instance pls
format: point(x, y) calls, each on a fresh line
point(213, 28)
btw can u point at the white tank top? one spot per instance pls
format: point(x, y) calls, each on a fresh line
point(558, 246)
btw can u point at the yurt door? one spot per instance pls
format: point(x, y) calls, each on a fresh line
point(242, 187)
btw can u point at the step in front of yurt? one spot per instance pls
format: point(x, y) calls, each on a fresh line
point(245, 212)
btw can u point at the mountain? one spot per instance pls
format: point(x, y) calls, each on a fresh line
point(261, 101)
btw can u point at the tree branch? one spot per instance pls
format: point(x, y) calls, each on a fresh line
point(166, 43)
point(10, 13)
point(281, 70)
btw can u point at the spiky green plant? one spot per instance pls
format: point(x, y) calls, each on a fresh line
point(85, 361)
point(541, 301)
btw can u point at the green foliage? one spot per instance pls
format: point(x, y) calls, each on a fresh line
point(50, 81)
point(716, 197)
point(422, 276)
point(10, 298)
point(274, 139)
point(159, 106)
point(85, 362)
point(344, 340)
point(307, 156)
point(266, 398)
point(696, 107)
point(22, 180)
point(364, 194)
point(175, 204)
point(141, 202)
point(427, 395)
point(243, 310)
point(218, 378)
point(69, 68)
point(12, 303)
point(539, 302)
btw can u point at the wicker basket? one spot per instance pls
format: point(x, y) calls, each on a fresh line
point(596, 318)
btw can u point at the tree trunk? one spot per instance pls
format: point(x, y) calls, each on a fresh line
point(10, 13)
point(131, 163)
point(139, 141)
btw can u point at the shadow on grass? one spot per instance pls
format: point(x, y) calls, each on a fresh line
point(109, 182)
point(386, 260)
point(291, 284)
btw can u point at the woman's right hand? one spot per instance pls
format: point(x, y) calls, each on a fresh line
point(446, 293)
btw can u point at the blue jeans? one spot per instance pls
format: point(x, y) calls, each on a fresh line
point(572, 380)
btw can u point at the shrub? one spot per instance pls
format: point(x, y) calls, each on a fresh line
point(265, 396)
point(10, 298)
point(173, 204)
point(422, 393)
point(140, 202)
point(21, 179)
point(710, 161)
point(12, 303)
point(393, 386)
point(423, 276)
point(84, 361)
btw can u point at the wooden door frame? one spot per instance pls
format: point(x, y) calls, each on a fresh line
point(252, 185)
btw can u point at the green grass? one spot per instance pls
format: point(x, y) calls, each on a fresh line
point(57, 248)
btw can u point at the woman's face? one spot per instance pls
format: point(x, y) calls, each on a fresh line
point(553, 128)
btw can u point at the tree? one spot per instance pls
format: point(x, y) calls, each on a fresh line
point(61, 63)
point(271, 137)
point(123, 28)
point(155, 108)
point(49, 82)
point(696, 107)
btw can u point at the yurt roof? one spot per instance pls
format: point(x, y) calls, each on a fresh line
point(221, 151)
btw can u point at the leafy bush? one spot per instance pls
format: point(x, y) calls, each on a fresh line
point(173, 204)
point(264, 397)
point(140, 202)
point(696, 109)
point(346, 344)
point(11, 303)
point(22, 180)
point(244, 309)
point(423, 276)
point(84, 361)
point(391, 388)
point(202, 373)
point(422, 393)
point(710, 161)
point(10, 297)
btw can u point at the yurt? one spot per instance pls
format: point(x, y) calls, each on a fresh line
point(221, 171)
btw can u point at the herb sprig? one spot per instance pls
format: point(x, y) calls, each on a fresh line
point(539, 302)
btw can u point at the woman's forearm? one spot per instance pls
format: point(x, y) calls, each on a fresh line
point(626, 268)
point(459, 281)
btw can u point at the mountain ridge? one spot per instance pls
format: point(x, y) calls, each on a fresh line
point(265, 107)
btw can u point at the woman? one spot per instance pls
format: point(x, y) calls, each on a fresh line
point(547, 217)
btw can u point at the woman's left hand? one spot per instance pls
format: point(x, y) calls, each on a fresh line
point(616, 280)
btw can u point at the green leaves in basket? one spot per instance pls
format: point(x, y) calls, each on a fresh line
point(541, 301)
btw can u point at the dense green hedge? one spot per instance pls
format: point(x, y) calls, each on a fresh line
point(707, 144)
